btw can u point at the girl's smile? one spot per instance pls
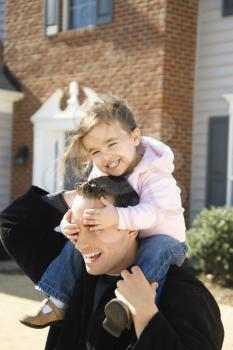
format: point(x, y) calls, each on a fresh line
point(113, 149)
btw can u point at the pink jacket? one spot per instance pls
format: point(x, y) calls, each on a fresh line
point(160, 209)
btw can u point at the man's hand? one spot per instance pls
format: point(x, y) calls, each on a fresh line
point(70, 230)
point(101, 218)
point(136, 292)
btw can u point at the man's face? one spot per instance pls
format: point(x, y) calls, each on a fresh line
point(106, 251)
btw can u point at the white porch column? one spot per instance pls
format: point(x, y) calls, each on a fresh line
point(229, 194)
point(7, 99)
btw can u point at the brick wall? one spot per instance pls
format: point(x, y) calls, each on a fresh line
point(178, 86)
point(132, 57)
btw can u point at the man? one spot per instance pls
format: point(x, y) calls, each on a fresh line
point(186, 317)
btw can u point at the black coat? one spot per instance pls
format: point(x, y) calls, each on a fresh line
point(188, 317)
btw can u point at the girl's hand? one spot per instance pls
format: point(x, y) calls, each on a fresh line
point(101, 218)
point(137, 293)
point(70, 230)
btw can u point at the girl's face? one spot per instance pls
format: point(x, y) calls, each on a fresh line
point(112, 149)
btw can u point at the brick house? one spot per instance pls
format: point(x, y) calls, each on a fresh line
point(149, 52)
point(9, 94)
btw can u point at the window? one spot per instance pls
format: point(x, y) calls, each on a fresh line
point(227, 7)
point(82, 13)
point(76, 14)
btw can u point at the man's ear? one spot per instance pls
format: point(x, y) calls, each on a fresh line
point(133, 234)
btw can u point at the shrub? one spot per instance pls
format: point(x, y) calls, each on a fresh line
point(210, 241)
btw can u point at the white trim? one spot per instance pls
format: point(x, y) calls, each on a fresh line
point(7, 99)
point(49, 109)
point(51, 30)
point(229, 99)
point(194, 112)
point(6, 107)
point(11, 95)
point(5, 158)
point(50, 127)
point(66, 12)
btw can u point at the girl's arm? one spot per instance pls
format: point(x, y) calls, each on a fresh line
point(159, 198)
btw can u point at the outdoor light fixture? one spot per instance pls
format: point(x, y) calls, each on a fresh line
point(22, 154)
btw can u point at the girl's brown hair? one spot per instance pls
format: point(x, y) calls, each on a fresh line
point(106, 109)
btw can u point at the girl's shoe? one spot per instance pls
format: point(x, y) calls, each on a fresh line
point(36, 318)
point(118, 317)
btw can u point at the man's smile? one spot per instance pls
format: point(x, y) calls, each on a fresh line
point(91, 257)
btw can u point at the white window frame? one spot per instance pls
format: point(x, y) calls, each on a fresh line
point(229, 199)
point(52, 28)
point(65, 19)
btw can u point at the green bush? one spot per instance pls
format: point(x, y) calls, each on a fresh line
point(210, 241)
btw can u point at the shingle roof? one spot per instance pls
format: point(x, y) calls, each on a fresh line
point(7, 80)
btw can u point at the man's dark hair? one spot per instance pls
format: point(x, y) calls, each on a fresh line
point(123, 194)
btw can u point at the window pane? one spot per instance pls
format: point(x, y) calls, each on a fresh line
point(78, 2)
point(82, 13)
point(104, 12)
point(103, 7)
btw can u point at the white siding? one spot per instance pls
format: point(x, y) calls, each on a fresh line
point(1, 19)
point(5, 158)
point(214, 77)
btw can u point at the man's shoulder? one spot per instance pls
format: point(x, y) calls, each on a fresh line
point(181, 277)
point(183, 287)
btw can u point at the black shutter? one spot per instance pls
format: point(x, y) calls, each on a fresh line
point(227, 7)
point(217, 161)
point(103, 11)
point(51, 17)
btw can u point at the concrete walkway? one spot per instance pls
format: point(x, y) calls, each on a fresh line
point(17, 295)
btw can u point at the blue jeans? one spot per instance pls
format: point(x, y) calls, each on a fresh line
point(155, 255)
point(61, 275)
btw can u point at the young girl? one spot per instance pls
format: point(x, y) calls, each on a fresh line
point(108, 138)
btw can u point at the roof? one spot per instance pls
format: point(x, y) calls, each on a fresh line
point(7, 80)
